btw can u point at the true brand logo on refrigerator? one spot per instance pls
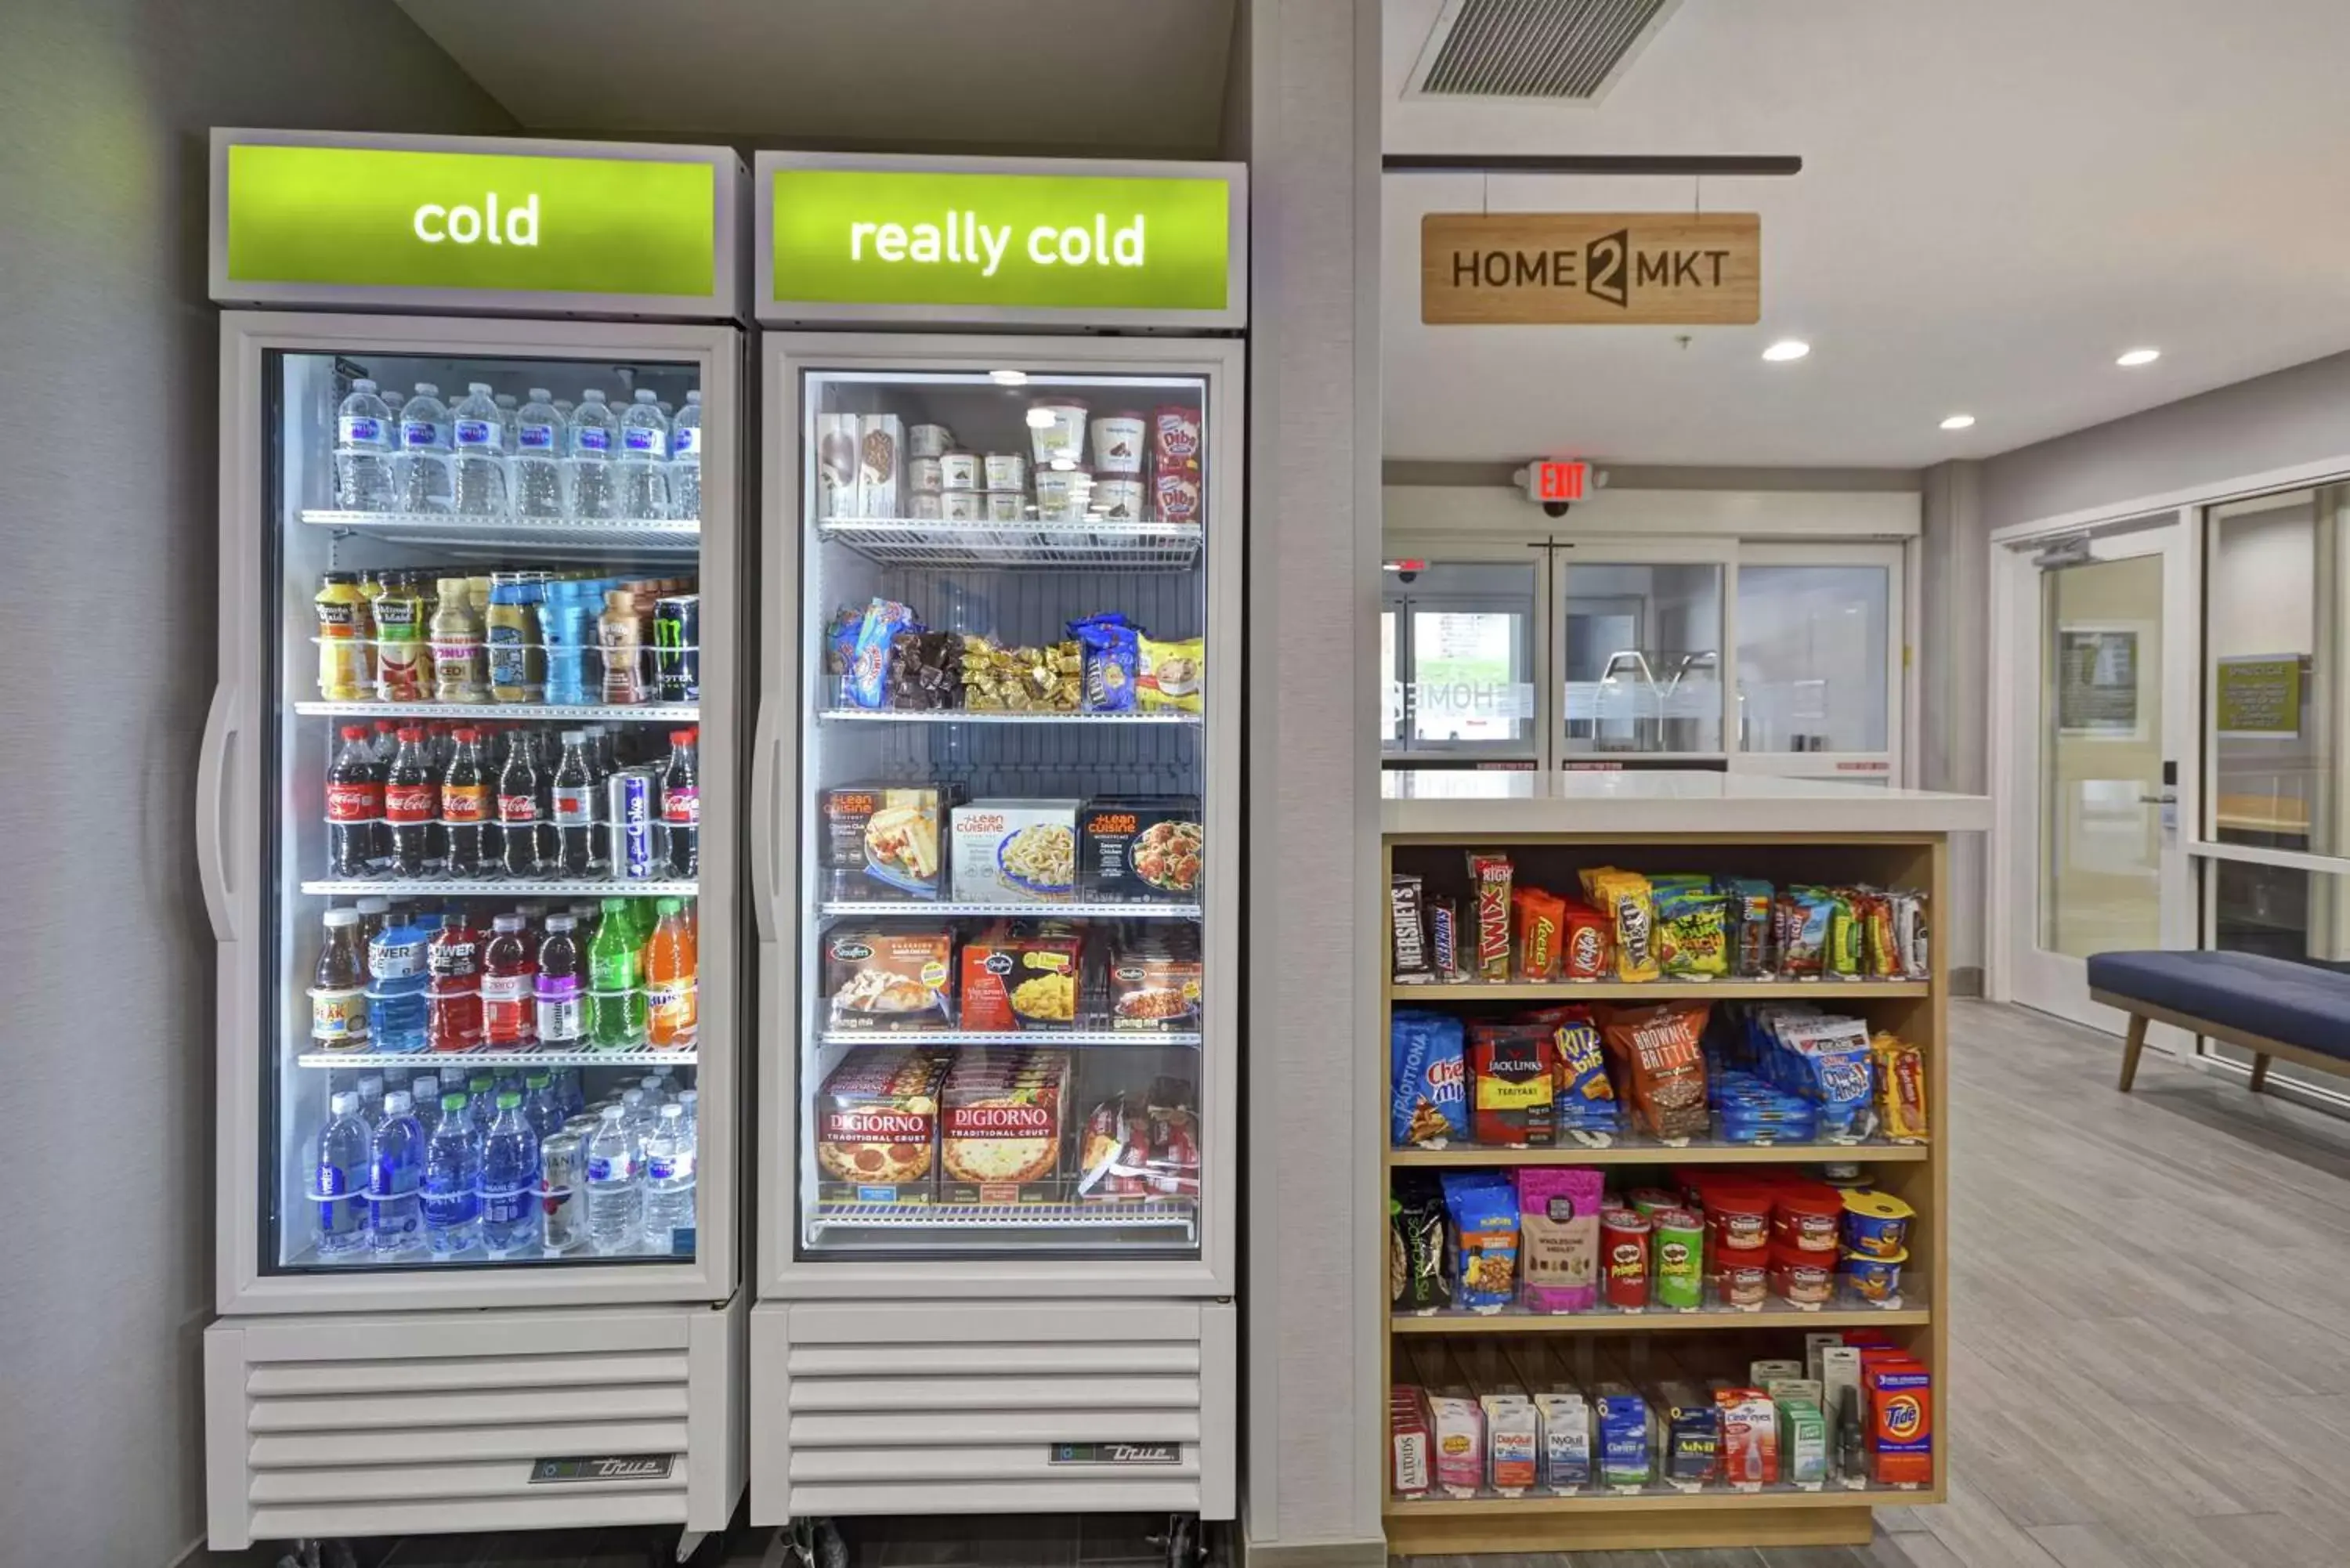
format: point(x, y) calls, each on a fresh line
point(867, 236)
point(601, 1468)
point(1117, 1454)
point(365, 216)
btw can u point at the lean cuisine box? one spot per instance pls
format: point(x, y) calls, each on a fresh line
point(1015, 851)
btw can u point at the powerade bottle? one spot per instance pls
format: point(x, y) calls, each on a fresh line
point(341, 1185)
point(395, 986)
point(453, 1181)
point(395, 1169)
point(509, 1179)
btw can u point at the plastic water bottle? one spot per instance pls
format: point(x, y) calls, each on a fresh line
point(644, 457)
point(615, 1202)
point(363, 448)
point(539, 458)
point(424, 1093)
point(668, 1180)
point(541, 1106)
point(422, 470)
point(637, 1117)
point(395, 1170)
point(396, 985)
point(342, 1181)
point(692, 1100)
point(510, 1180)
point(685, 462)
point(481, 1102)
point(453, 1181)
point(371, 1090)
point(507, 416)
point(481, 461)
point(594, 434)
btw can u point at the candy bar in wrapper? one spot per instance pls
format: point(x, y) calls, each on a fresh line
point(1880, 948)
point(1404, 898)
point(1628, 903)
point(1584, 948)
point(1751, 922)
point(1541, 924)
point(1901, 1087)
point(1909, 934)
point(1490, 876)
point(1444, 937)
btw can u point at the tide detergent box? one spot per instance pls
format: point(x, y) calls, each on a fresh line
point(1901, 1425)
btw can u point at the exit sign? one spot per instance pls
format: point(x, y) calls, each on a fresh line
point(1561, 480)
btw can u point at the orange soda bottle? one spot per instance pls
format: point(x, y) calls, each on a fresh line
point(672, 1005)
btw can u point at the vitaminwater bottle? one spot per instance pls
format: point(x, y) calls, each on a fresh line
point(685, 462)
point(422, 468)
point(671, 998)
point(338, 1011)
point(363, 451)
point(343, 630)
point(644, 457)
point(509, 986)
point(616, 998)
point(560, 1021)
point(594, 434)
point(481, 460)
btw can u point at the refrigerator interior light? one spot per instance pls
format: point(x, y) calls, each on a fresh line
point(1040, 419)
point(1008, 378)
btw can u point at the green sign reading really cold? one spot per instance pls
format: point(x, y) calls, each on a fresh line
point(1077, 242)
point(372, 217)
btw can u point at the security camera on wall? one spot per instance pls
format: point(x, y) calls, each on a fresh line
point(1555, 484)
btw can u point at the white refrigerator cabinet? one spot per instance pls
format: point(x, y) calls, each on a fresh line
point(993, 833)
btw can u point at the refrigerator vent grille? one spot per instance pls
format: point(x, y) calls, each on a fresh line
point(1534, 48)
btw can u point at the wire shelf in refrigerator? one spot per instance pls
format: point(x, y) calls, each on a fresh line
point(568, 713)
point(1005, 716)
point(1066, 546)
point(679, 535)
point(495, 886)
point(535, 1057)
point(871, 909)
point(1102, 1036)
point(1171, 1214)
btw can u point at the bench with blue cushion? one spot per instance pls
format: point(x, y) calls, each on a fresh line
point(2270, 1007)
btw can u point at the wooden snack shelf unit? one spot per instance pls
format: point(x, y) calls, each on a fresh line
point(1918, 1173)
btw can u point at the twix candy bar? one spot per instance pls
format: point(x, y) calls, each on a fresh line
point(1489, 878)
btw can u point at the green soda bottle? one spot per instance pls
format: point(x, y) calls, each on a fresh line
point(616, 996)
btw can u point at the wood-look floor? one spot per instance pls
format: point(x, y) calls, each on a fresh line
point(2150, 1331)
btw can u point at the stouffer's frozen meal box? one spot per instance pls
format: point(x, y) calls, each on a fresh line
point(1015, 851)
point(876, 1126)
point(886, 979)
point(1022, 977)
point(1004, 1126)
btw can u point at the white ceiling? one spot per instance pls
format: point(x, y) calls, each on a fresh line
point(1126, 77)
point(1998, 197)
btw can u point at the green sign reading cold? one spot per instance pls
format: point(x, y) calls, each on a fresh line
point(374, 217)
point(862, 236)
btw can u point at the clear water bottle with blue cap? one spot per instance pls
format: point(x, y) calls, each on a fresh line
point(423, 469)
point(363, 448)
point(595, 434)
point(644, 457)
point(481, 454)
point(538, 455)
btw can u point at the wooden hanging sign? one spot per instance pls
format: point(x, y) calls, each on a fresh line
point(1577, 269)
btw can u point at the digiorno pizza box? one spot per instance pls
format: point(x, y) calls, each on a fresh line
point(876, 1126)
point(1003, 1126)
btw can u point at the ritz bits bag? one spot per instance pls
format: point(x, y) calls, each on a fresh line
point(1583, 1101)
point(1629, 905)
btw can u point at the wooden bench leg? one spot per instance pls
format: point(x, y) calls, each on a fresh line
point(2132, 1044)
point(2260, 1072)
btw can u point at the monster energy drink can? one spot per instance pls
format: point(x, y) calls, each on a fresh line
point(677, 647)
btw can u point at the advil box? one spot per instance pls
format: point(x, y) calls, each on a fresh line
point(1901, 1424)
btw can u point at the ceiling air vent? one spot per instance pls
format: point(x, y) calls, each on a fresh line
point(1532, 48)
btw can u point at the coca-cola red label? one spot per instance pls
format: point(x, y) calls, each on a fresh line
point(999, 1121)
point(681, 807)
point(876, 1126)
point(573, 806)
point(464, 803)
point(518, 808)
point(410, 803)
point(354, 801)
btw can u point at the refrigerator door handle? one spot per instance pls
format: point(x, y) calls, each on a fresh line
point(211, 791)
point(762, 819)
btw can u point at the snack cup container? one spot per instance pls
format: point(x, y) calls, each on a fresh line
point(1875, 1224)
point(1805, 1278)
point(1056, 431)
point(1874, 1279)
point(929, 440)
point(1120, 441)
point(1807, 1218)
point(1745, 1285)
point(1679, 1252)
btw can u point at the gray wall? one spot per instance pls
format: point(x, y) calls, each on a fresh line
point(107, 500)
point(1315, 1069)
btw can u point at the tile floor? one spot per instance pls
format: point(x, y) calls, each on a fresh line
point(2150, 1347)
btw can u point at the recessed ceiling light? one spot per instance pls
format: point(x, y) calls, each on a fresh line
point(2137, 356)
point(1957, 421)
point(1786, 348)
point(1008, 378)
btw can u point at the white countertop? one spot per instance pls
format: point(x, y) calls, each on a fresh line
point(1437, 800)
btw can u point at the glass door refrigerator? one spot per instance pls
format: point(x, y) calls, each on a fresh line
point(994, 849)
point(468, 815)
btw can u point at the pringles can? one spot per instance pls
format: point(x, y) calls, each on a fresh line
point(630, 824)
point(1623, 1258)
point(677, 647)
point(560, 1200)
point(1680, 1257)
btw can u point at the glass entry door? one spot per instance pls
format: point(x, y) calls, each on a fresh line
point(2101, 687)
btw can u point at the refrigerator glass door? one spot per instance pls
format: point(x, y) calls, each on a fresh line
point(479, 992)
point(1005, 955)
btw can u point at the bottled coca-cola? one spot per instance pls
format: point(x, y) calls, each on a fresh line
point(518, 808)
point(680, 806)
point(354, 806)
point(464, 805)
point(411, 805)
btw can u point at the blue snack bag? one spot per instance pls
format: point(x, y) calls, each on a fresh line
point(1429, 1058)
point(1110, 656)
point(1482, 1206)
point(1838, 1073)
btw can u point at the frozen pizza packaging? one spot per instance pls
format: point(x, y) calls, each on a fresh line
point(1558, 1222)
point(1658, 1067)
point(876, 1126)
point(1623, 896)
point(1429, 1068)
point(1490, 876)
point(1511, 1083)
point(1001, 1126)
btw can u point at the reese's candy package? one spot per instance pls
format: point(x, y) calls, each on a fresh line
point(1489, 881)
point(1542, 925)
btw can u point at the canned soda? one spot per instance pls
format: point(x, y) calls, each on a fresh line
point(676, 647)
point(630, 824)
point(561, 1159)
